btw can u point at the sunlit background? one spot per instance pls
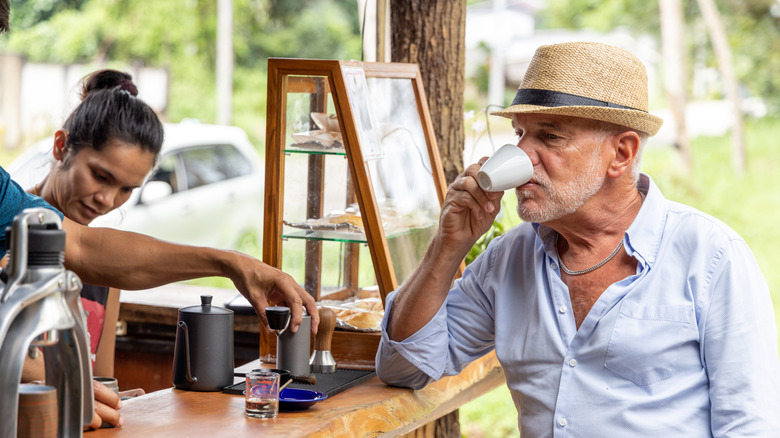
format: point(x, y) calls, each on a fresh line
point(727, 162)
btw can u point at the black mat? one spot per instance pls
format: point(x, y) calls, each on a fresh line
point(329, 383)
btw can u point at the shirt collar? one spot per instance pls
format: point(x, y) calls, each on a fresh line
point(643, 237)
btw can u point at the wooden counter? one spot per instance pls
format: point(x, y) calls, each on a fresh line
point(144, 359)
point(370, 409)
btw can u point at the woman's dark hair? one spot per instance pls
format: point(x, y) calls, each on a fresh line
point(5, 11)
point(109, 109)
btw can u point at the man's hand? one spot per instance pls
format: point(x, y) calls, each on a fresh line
point(262, 284)
point(468, 211)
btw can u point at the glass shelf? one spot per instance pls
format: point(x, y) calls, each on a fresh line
point(344, 236)
point(326, 236)
point(314, 149)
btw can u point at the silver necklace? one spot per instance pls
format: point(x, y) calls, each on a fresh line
point(597, 265)
point(594, 267)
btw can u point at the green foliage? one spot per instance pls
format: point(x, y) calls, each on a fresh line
point(602, 15)
point(180, 35)
point(28, 12)
point(323, 30)
point(491, 416)
point(753, 30)
point(482, 243)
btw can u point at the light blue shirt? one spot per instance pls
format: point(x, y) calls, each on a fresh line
point(686, 347)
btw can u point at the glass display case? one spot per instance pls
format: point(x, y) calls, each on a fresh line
point(353, 188)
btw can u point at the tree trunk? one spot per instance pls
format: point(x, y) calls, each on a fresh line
point(447, 426)
point(720, 45)
point(432, 34)
point(673, 48)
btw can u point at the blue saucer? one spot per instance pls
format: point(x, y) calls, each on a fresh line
point(293, 399)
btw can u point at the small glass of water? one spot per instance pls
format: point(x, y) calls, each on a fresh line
point(262, 394)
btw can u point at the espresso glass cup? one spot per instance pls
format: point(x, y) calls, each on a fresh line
point(262, 394)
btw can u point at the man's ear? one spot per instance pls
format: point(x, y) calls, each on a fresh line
point(626, 146)
point(59, 144)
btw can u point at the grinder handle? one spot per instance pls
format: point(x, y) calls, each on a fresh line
point(278, 317)
point(325, 329)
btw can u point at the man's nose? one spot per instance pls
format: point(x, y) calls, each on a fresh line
point(529, 150)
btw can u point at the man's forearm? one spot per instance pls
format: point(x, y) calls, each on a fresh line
point(424, 292)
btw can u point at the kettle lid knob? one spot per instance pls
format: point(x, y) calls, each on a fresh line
point(205, 300)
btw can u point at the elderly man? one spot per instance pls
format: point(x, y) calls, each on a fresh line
point(613, 311)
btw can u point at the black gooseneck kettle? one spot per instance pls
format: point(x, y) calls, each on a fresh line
point(203, 353)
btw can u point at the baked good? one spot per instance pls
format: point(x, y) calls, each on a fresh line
point(370, 304)
point(368, 292)
point(350, 218)
point(359, 318)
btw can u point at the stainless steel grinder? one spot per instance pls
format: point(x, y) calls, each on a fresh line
point(292, 349)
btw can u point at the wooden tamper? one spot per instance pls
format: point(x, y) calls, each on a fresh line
point(322, 360)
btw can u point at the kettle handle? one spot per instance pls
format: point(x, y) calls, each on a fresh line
point(188, 370)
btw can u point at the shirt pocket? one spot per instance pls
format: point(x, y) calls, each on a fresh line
point(646, 341)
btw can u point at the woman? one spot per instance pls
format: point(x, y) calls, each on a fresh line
point(104, 150)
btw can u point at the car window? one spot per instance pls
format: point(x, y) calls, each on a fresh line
point(214, 163)
point(166, 171)
point(234, 162)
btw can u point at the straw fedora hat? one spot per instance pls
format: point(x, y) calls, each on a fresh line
point(585, 79)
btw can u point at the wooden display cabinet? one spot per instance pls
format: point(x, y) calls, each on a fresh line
point(354, 184)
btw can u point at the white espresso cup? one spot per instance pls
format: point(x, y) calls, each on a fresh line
point(507, 168)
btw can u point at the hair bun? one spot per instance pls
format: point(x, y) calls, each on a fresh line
point(128, 86)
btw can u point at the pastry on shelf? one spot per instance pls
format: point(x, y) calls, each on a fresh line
point(328, 136)
point(361, 314)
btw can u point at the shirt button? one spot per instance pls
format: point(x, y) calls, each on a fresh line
point(553, 266)
point(573, 362)
point(562, 422)
point(562, 309)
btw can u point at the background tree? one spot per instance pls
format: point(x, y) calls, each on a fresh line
point(750, 30)
point(433, 35)
point(673, 48)
point(720, 45)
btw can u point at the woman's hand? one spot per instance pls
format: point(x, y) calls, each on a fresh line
point(107, 406)
point(264, 285)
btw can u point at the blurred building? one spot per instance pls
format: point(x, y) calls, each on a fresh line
point(35, 98)
point(502, 34)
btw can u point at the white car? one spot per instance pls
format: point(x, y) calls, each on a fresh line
point(207, 189)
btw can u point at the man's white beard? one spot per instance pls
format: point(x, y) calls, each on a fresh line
point(562, 200)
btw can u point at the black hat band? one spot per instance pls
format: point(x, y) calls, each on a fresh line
point(550, 98)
